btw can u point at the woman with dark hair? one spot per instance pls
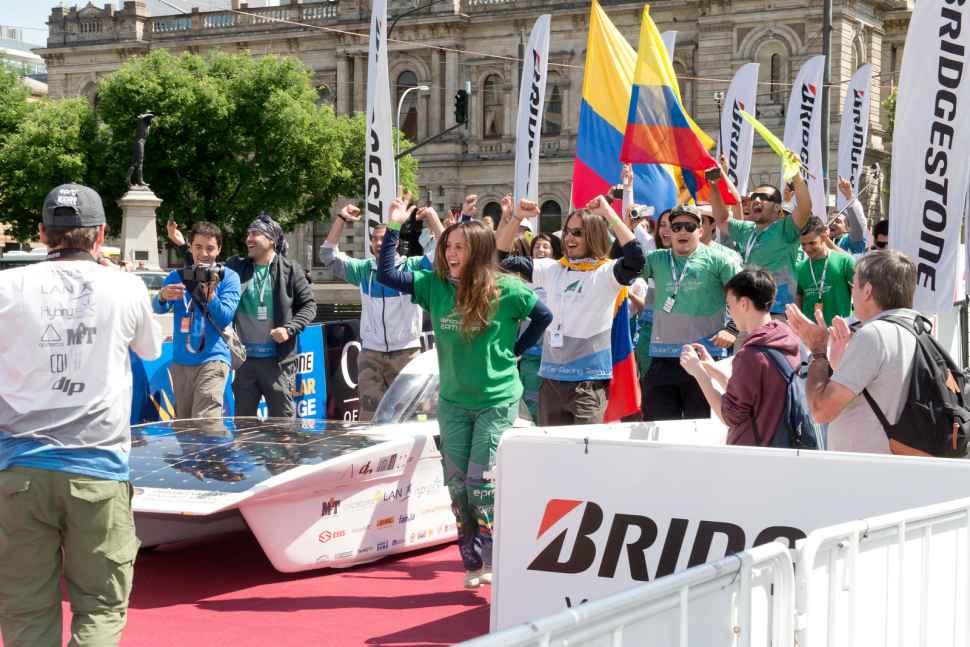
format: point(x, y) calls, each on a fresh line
point(475, 313)
point(582, 290)
point(546, 246)
point(662, 233)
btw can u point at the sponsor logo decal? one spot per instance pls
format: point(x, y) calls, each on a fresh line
point(327, 535)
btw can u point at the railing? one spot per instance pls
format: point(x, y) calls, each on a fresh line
point(898, 579)
point(743, 600)
point(204, 23)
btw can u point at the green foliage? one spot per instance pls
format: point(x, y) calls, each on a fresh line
point(55, 142)
point(889, 105)
point(233, 136)
point(13, 101)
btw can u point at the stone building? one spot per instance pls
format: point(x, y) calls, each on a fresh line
point(449, 43)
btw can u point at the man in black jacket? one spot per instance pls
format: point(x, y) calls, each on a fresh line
point(276, 305)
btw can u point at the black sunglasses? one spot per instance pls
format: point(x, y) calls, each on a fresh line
point(767, 197)
point(574, 232)
point(689, 227)
point(882, 244)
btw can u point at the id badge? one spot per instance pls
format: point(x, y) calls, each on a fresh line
point(555, 339)
point(184, 326)
point(262, 313)
point(668, 306)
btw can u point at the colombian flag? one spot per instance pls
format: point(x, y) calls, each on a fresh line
point(624, 391)
point(658, 129)
point(607, 82)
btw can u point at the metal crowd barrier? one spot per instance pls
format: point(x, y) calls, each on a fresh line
point(739, 600)
point(901, 579)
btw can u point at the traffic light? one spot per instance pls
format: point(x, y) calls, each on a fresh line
point(461, 107)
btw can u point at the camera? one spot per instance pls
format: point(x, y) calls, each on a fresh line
point(639, 211)
point(616, 193)
point(201, 273)
point(712, 174)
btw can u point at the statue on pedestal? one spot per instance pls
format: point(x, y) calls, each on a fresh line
point(138, 150)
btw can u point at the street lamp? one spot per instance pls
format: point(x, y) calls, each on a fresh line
point(400, 104)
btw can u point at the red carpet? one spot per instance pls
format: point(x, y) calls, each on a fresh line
point(225, 592)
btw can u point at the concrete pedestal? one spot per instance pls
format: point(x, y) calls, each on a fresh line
point(139, 237)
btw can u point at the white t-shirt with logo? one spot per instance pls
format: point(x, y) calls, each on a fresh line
point(65, 378)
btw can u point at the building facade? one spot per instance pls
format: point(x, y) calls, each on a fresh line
point(450, 43)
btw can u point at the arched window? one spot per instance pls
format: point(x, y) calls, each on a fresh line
point(773, 69)
point(493, 110)
point(550, 217)
point(775, 78)
point(552, 114)
point(409, 111)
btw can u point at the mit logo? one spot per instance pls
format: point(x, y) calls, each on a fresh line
point(81, 335)
point(330, 507)
point(586, 548)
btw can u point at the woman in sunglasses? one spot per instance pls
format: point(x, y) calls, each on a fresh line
point(475, 313)
point(689, 309)
point(581, 291)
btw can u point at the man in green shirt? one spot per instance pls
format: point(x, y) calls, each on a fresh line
point(825, 276)
point(769, 239)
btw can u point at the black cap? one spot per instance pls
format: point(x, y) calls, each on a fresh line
point(73, 205)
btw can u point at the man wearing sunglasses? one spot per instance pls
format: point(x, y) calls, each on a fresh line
point(880, 234)
point(770, 239)
point(689, 309)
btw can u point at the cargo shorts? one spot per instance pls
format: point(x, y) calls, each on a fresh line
point(53, 522)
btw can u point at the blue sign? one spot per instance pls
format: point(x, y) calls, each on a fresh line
point(153, 396)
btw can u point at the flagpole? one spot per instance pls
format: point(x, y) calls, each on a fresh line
point(826, 92)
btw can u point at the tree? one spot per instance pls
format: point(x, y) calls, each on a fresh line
point(13, 101)
point(54, 142)
point(233, 136)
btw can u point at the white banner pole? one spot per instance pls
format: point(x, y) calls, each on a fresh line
point(380, 183)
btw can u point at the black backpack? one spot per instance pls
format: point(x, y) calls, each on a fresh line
point(934, 420)
point(796, 429)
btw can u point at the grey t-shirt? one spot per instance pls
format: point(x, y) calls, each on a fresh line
point(878, 358)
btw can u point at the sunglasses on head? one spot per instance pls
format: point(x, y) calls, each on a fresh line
point(689, 227)
point(575, 232)
point(766, 197)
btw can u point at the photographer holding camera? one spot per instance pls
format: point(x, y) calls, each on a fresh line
point(204, 297)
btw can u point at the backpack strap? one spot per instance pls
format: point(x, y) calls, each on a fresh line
point(914, 327)
point(776, 358)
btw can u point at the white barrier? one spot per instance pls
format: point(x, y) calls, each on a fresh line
point(896, 579)
point(745, 600)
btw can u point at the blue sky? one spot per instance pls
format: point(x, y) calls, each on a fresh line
point(32, 13)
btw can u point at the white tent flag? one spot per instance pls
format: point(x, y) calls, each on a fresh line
point(803, 128)
point(670, 40)
point(855, 130)
point(931, 150)
point(737, 135)
point(380, 184)
point(532, 97)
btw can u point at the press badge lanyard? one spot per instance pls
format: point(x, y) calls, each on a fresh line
point(819, 285)
point(669, 303)
point(749, 247)
point(262, 312)
point(186, 327)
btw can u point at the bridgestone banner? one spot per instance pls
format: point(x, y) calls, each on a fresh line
point(737, 135)
point(855, 130)
point(532, 97)
point(803, 128)
point(380, 183)
point(931, 150)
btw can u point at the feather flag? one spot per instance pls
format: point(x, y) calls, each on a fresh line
point(658, 129)
point(607, 83)
point(624, 391)
point(790, 162)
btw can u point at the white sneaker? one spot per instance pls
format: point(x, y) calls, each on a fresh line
point(486, 575)
point(473, 579)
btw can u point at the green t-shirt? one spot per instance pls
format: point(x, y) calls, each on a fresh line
point(774, 248)
point(698, 304)
point(836, 286)
point(254, 316)
point(479, 372)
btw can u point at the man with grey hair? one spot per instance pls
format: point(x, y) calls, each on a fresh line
point(876, 358)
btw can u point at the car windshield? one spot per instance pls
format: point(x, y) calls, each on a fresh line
point(153, 281)
point(412, 396)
